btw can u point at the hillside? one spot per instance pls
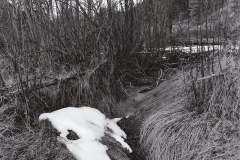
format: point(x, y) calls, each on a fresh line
point(171, 125)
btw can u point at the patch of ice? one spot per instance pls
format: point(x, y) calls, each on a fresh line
point(90, 125)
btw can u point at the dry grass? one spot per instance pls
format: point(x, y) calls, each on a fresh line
point(19, 142)
point(170, 130)
point(115, 150)
point(23, 137)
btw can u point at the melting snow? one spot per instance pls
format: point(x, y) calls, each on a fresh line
point(90, 125)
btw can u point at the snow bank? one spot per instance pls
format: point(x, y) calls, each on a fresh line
point(90, 125)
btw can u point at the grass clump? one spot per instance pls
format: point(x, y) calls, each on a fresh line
point(19, 141)
point(200, 120)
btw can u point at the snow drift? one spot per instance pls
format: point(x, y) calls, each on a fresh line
point(90, 125)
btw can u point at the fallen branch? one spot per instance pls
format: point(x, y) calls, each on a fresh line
point(159, 77)
point(53, 82)
point(30, 80)
point(208, 77)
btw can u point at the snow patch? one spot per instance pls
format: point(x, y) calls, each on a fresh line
point(90, 125)
point(195, 48)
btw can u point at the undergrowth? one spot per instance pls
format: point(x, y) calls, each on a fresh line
point(23, 137)
point(20, 142)
point(131, 126)
point(182, 123)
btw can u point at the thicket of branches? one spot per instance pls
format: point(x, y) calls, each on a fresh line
point(58, 53)
point(44, 43)
point(45, 40)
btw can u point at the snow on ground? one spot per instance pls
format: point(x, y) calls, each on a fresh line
point(195, 48)
point(90, 125)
